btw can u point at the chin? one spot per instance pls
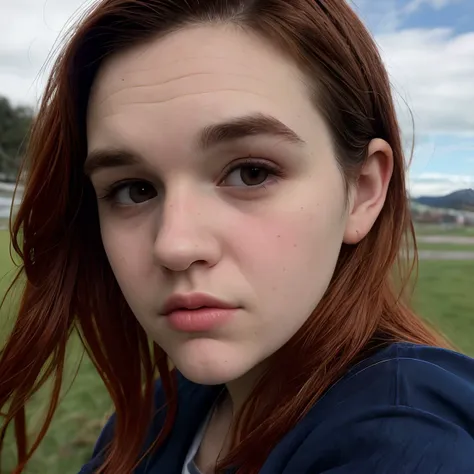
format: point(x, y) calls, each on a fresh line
point(210, 363)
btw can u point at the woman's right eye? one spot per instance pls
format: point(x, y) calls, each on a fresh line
point(131, 193)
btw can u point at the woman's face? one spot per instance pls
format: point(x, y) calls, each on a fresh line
point(215, 174)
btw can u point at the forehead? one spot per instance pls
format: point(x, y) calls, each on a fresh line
point(194, 77)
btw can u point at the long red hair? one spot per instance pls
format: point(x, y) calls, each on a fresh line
point(69, 283)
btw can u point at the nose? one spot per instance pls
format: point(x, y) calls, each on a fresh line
point(185, 235)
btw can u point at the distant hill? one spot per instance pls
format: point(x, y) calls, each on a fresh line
point(462, 200)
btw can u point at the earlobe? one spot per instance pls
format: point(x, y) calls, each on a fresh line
point(370, 191)
point(352, 236)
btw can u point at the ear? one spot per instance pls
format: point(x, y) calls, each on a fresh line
point(369, 192)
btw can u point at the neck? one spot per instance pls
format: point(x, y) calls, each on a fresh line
point(240, 389)
point(216, 441)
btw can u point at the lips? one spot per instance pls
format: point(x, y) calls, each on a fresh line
point(193, 301)
point(197, 312)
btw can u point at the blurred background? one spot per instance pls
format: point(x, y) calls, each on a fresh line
point(428, 48)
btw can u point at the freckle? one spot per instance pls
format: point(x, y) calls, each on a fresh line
point(284, 269)
point(273, 288)
point(302, 207)
point(278, 236)
point(295, 245)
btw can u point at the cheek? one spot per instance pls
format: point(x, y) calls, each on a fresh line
point(289, 259)
point(129, 252)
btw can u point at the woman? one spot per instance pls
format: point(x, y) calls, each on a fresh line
point(221, 185)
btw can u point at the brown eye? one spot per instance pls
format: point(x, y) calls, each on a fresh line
point(128, 194)
point(247, 175)
point(141, 192)
point(253, 175)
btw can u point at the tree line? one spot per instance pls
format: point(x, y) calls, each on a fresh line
point(15, 123)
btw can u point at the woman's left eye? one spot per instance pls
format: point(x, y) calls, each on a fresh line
point(247, 175)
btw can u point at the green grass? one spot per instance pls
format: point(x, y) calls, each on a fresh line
point(443, 296)
point(446, 247)
point(83, 409)
point(6, 265)
point(4, 254)
point(75, 428)
point(434, 229)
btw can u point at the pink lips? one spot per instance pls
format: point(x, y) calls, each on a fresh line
point(196, 312)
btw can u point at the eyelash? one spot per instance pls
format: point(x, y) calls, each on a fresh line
point(272, 169)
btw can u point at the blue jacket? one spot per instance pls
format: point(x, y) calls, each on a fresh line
point(408, 409)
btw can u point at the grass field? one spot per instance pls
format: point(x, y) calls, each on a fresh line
point(81, 414)
point(431, 229)
point(446, 247)
point(444, 296)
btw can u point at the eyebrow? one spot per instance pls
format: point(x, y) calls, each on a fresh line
point(108, 158)
point(212, 135)
point(242, 127)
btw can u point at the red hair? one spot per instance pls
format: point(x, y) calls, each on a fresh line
point(70, 285)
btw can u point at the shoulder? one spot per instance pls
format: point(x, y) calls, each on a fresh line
point(411, 375)
point(416, 355)
point(408, 408)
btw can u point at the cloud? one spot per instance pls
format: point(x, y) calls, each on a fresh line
point(415, 5)
point(432, 72)
point(29, 30)
point(381, 15)
point(434, 184)
point(387, 16)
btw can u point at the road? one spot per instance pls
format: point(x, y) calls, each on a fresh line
point(445, 255)
point(445, 239)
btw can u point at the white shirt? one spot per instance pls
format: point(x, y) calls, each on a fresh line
point(189, 466)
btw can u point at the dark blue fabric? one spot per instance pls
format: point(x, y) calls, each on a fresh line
point(408, 409)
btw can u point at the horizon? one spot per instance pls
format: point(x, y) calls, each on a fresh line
point(5, 202)
point(414, 38)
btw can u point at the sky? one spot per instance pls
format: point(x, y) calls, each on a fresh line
point(427, 46)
